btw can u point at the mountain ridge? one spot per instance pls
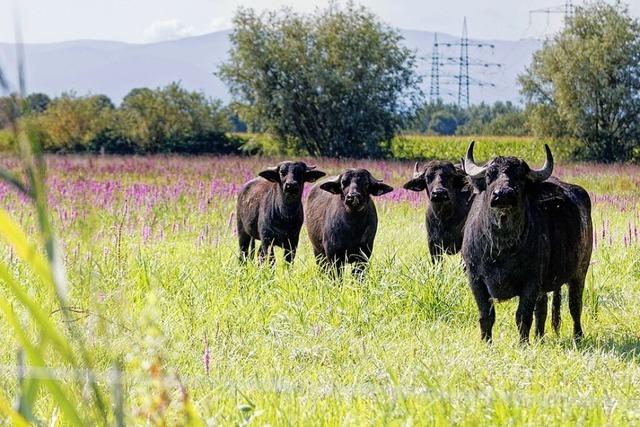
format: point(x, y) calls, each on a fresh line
point(114, 68)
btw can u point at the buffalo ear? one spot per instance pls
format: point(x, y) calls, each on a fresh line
point(332, 186)
point(379, 188)
point(313, 175)
point(271, 174)
point(416, 184)
point(460, 179)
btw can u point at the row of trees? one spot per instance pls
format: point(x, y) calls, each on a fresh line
point(172, 119)
point(501, 118)
point(168, 119)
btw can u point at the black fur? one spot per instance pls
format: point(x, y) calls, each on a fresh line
point(270, 210)
point(342, 219)
point(525, 238)
point(449, 194)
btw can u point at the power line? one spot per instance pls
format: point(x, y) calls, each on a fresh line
point(463, 79)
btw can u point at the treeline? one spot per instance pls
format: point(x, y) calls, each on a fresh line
point(168, 119)
point(499, 119)
point(172, 119)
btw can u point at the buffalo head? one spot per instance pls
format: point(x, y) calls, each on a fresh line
point(504, 180)
point(354, 187)
point(440, 179)
point(291, 177)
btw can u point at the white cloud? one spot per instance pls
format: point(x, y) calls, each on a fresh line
point(167, 30)
point(219, 23)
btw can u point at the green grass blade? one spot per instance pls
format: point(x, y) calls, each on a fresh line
point(12, 233)
point(40, 317)
point(14, 417)
point(36, 358)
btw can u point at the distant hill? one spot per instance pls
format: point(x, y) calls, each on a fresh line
point(114, 68)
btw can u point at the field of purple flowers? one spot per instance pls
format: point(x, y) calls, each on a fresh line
point(150, 250)
point(132, 190)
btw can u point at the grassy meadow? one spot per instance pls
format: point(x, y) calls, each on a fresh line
point(151, 256)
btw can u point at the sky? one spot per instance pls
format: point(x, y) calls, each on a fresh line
point(144, 21)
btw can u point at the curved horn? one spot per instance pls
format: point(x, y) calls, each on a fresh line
point(547, 169)
point(469, 165)
point(374, 179)
point(416, 170)
point(310, 168)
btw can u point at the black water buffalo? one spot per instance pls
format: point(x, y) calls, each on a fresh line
point(270, 209)
point(526, 235)
point(342, 219)
point(449, 195)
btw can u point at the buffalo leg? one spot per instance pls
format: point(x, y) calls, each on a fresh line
point(524, 314)
point(359, 269)
point(247, 245)
point(337, 266)
point(266, 251)
point(290, 248)
point(321, 259)
point(576, 286)
point(555, 310)
point(436, 253)
point(485, 308)
point(541, 314)
point(360, 262)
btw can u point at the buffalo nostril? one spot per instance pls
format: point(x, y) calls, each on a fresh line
point(503, 197)
point(352, 198)
point(440, 194)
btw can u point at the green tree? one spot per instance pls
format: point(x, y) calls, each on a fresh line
point(36, 103)
point(8, 110)
point(584, 83)
point(334, 83)
point(73, 123)
point(173, 119)
point(443, 123)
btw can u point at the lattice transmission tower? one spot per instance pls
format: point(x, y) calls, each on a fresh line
point(567, 9)
point(463, 79)
point(434, 91)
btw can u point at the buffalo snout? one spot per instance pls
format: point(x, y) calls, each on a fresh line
point(504, 197)
point(292, 187)
point(353, 199)
point(440, 195)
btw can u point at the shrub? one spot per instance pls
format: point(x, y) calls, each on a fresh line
point(421, 147)
point(73, 123)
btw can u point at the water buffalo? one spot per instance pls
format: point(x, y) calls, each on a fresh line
point(342, 219)
point(526, 235)
point(270, 209)
point(449, 195)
